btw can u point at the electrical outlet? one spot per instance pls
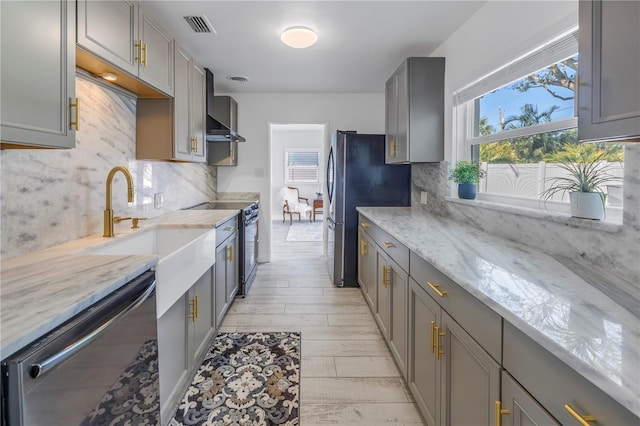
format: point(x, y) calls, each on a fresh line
point(158, 199)
point(424, 198)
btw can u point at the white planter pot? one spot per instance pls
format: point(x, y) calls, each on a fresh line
point(587, 205)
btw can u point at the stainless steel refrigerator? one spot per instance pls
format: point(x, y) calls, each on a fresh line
point(358, 176)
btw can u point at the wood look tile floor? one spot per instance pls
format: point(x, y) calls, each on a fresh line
point(348, 375)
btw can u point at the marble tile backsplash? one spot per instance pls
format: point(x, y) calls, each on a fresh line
point(603, 256)
point(52, 196)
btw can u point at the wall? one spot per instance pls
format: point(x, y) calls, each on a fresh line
point(294, 137)
point(594, 248)
point(361, 112)
point(52, 196)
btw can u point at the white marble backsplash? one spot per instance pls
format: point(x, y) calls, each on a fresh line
point(52, 196)
point(604, 253)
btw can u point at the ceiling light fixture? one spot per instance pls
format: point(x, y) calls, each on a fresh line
point(299, 37)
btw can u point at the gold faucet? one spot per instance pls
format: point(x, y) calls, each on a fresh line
point(108, 211)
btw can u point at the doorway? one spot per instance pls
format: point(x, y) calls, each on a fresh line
point(298, 153)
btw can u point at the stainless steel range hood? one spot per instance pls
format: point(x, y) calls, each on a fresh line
point(222, 116)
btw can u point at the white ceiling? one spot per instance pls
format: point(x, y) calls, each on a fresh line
point(360, 42)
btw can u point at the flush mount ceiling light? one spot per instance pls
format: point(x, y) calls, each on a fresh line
point(299, 37)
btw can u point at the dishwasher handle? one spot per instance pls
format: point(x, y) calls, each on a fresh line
point(39, 368)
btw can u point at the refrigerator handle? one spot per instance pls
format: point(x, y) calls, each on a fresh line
point(330, 175)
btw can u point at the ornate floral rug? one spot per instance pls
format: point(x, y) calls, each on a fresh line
point(247, 379)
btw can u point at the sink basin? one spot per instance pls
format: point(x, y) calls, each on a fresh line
point(185, 254)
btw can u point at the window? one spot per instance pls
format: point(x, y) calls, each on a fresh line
point(521, 119)
point(302, 166)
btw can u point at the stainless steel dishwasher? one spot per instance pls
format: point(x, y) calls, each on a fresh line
point(98, 368)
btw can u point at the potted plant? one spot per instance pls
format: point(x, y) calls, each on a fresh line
point(586, 176)
point(466, 175)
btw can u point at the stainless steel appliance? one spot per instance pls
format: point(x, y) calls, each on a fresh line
point(358, 176)
point(247, 237)
point(100, 367)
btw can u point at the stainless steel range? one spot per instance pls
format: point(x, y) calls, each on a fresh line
point(248, 237)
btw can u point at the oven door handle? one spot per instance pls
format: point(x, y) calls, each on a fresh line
point(39, 368)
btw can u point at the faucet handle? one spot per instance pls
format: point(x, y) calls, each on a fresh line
point(119, 219)
point(134, 222)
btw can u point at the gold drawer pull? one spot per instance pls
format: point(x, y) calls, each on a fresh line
point(228, 228)
point(365, 225)
point(193, 303)
point(583, 420)
point(433, 337)
point(363, 247)
point(389, 245)
point(499, 412)
point(230, 253)
point(439, 351)
point(75, 105)
point(436, 288)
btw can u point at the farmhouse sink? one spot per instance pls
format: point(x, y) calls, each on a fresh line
point(185, 254)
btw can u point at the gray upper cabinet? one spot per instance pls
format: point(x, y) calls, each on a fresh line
point(414, 115)
point(174, 129)
point(39, 105)
point(609, 71)
point(125, 35)
point(222, 154)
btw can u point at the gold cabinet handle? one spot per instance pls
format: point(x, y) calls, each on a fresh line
point(499, 412)
point(436, 288)
point(433, 337)
point(389, 245)
point(230, 253)
point(228, 228)
point(146, 51)
point(365, 225)
point(385, 275)
point(439, 351)
point(139, 57)
point(193, 303)
point(392, 148)
point(195, 144)
point(75, 105)
point(233, 153)
point(363, 247)
point(583, 420)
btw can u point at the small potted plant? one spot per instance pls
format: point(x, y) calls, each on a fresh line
point(586, 175)
point(466, 175)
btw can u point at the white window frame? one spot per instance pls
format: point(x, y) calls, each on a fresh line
point(286, 166)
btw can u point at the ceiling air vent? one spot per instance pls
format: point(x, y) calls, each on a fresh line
point(238, 78)
point(200, 24)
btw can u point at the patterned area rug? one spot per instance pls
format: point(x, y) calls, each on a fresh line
point(247, 379)
point(305, 231)
point(134, 398)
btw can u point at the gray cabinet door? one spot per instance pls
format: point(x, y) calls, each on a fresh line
point(38, 73)
point(232, 268)
point(157, 65)
point(182, 143)
point(609, 74)
point(383, 311)
point(423, 375)
point(198, 119)
point(402, 107)
point(220, 300)
point(204, 322)
point(521, 408)
point(367, 270)
point(470, 378)
point(173, 358)
point(391, 118)
point(109, 29)
point(398, 291)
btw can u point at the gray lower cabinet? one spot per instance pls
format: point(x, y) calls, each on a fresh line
point(38, 101)
point(184, 333)
point(226, 268)
point(366, 269)
point(518, 408)
point(453, 379)
point(609, 73)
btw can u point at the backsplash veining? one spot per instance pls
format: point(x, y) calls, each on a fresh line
point(595, 252)
point(52, 196)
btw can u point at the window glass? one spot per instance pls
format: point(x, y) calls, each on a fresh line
point(302, 166)
point(542, 97)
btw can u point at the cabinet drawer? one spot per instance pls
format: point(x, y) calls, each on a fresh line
point(391, 246)
point(226, 229)
point(474, 316)
point(553, 384)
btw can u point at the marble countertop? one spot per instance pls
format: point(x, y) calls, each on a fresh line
point(540, 295)
point(41, 290)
